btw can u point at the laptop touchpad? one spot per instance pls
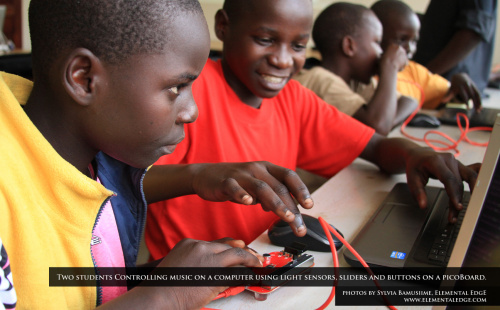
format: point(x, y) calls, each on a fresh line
point(409, 216)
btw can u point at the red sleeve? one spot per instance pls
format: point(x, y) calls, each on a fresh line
point(329, 139)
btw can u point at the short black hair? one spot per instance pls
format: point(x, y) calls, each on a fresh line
point(236, 8)
point(334, 23)
point(385, 9)
point(111, 29)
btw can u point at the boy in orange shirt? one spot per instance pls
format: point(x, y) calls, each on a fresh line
point(401, 26)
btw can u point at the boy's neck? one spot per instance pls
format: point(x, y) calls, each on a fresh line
point(243, 93)
point(59, 130)
point(339, 67)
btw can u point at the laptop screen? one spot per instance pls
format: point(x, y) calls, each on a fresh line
point(484, 248)
point(400, 234)
point(478, 242)
point(3, 11)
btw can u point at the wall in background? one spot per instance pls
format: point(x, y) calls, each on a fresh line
point(211, 6)
point(24, 25)
point(12, 21)
point(417, 5)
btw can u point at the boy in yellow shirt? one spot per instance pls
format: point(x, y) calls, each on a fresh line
point(112, 94)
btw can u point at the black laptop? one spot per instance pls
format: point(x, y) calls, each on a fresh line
point(402, 235)
point(484, 118)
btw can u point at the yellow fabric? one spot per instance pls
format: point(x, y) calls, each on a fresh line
point(47, 208)
point(434, 86)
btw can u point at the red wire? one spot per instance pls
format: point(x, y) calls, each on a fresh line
point(236, 290)
point(335, 263)
point(230, 292)
point(431, 143)
point(453, 144)
point(327, 228)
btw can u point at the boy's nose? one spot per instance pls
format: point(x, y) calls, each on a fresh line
point(411, 48)
point(189, 112)
point(281, 58)
point(379, 51)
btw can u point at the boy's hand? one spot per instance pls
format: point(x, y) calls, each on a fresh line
point(395, 57)
point(235, 243)
point(424, 163)
point(247, 183)
point(398, 155)
point(195, 253)
point(256, 182)
point(463, 88)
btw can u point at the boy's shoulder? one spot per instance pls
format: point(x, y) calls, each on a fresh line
point(321, 81)
point(417, 73)
point(317, 74)
point(416, 67)
point(212, 64)
point(211, 73)
point(18, 86)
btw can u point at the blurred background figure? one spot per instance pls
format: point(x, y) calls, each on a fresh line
point(458, 36)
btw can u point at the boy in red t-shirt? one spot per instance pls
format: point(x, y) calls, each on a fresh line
point(250, 109)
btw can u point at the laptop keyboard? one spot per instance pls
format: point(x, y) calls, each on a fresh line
point(445, 240)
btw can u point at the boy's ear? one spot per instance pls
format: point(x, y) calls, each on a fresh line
point(221, 24)
point(349, 46)
point(81, 73)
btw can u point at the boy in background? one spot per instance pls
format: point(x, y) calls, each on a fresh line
point(348, 37)
point(112, 94)
point(251, 109)
point(401, 26)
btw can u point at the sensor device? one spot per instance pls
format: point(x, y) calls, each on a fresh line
point(280, 266)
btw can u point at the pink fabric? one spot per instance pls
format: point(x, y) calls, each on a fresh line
point(107, 250)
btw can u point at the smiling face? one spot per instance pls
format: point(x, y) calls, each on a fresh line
point(402, 29)
point(144, 103)
point(368, 52)
point(264, 46)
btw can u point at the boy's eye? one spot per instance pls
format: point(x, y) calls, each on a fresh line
point(264, 41)
point(174, 90)
point(400, 41)
point(299, 47)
